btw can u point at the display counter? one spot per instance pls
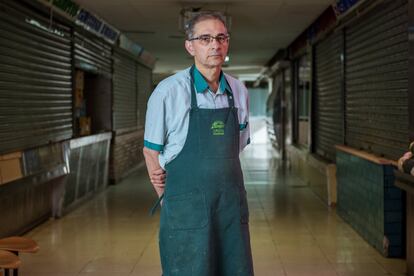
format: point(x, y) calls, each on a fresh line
point(50, 180)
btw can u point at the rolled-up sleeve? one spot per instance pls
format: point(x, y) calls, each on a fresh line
point(155, 127)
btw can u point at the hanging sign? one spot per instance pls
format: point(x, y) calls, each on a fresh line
point(82, 17)
point(342, 6)
point(67, 8)
point(129, 45)
point(97, 26)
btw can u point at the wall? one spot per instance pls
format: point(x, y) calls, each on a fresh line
point(258, 98)
point(126, 154)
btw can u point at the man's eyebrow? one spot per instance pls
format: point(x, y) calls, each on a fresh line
point(213, 35)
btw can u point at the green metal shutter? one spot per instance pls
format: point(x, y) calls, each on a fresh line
point(144, 83)
point(328, 108)
point(377, 80)
point(125, 91)
point(92, 53)
point(35, 79)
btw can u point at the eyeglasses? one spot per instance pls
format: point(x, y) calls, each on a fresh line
point(207, 39)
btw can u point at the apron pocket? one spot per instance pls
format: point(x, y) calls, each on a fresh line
point(186, 211)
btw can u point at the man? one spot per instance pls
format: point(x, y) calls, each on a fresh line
point(196, 125)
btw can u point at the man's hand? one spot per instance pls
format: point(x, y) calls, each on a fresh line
point(157, 178)
point(156, 174)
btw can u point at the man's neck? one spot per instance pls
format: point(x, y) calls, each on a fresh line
point(212, 76)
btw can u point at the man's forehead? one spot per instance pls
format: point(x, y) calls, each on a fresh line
point(210, 25)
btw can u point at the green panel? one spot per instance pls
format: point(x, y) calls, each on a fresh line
point(365, 189)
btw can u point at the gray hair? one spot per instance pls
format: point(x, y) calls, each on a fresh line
point(201, 16)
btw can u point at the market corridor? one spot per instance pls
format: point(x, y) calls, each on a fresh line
point(293, 232)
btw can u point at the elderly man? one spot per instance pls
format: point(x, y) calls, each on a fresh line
point(196, 125)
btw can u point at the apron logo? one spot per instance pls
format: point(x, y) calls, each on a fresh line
point(217, 128)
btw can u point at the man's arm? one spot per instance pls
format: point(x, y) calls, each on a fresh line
point(155, 172)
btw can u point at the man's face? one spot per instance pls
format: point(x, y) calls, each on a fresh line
point(213, 54)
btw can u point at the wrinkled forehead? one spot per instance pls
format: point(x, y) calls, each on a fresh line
point(209, 26)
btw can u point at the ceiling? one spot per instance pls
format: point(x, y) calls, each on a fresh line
point(258, 29)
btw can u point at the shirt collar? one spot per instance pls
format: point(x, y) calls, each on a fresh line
point(201, 84)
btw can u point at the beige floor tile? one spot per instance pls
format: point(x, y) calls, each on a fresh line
point(147, 270)
point(359, 269)
point(46, 274)
point(269, 270)
point(110, 264)
point(345, 256)
point(52, 266)
point(364, 273)
point(294, 240)
point(392, 265)
point(310, 270)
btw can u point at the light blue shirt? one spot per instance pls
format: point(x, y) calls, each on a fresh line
point(167, 119)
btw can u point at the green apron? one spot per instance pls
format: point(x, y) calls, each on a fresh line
point(204, 227)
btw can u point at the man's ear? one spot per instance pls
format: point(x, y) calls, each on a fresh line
point(189, 47)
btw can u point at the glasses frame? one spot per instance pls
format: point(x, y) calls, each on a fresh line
point(211, 38)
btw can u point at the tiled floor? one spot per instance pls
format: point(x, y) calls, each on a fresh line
point(293, 232)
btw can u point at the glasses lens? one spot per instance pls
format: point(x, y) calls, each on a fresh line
point(204, 39)
point(221, 39)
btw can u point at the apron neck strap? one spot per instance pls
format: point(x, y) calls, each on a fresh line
point(230, 97)
point(193, 92)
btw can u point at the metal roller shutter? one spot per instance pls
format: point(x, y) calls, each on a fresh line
point(377, 80)
point(35, 79)
point(125, 91)
point(328, 112)
point(92, 53)
point(144, 84)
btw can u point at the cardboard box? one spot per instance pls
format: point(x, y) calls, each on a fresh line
point(78, 97)
point(84, 126)
point(10, 167)
point(79, 79)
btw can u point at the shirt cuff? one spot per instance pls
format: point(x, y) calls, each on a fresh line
point(243, 126)
point(153, 146)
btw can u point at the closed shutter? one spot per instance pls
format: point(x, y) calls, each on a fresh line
point(328, 108)
point(377, 80)
point(125, 91)
point(35, 79)
point(144, 83)
point(92, 53)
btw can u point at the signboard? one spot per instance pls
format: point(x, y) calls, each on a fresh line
point(67, 8)
point(342, 6)
point(82, 17)
point(97, 26)
point(130, 46)
point(147, 58)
